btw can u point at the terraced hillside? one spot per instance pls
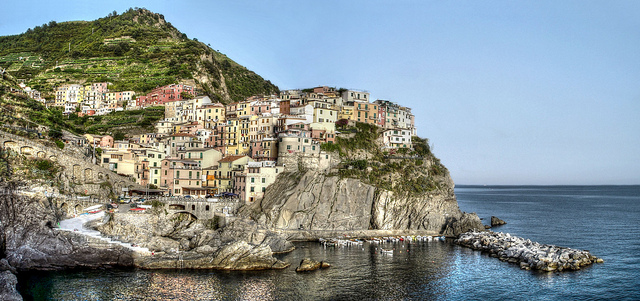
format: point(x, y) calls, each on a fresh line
point(137, 50)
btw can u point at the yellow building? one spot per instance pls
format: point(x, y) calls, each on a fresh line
point(227, 169)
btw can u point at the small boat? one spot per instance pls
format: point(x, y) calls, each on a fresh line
point(386, 251)
point(95, 211)
point(441, 238)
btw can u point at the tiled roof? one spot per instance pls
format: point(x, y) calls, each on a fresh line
point(230, 158)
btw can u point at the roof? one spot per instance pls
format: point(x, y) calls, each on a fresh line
point(231, 158)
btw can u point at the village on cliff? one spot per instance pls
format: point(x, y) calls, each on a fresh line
point(204, 148)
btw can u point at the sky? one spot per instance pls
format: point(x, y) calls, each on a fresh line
point(507, 92)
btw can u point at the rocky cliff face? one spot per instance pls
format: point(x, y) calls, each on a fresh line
point(363, 188)
point(314, 201)
point(180, 241)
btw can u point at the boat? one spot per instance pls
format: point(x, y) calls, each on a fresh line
point(95, 211)
point(386, 251)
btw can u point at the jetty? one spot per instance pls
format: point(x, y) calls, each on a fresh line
point(528, 254)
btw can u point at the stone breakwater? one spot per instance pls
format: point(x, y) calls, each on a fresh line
point(528, 254)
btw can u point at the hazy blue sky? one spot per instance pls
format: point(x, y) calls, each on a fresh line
point(508, 92)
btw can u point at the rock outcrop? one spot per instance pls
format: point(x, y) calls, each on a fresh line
point(8, 282)
point(8, 291)
point(32, 243)
point(497, 222)
point(315, 201)
point(180, 241)
point(307, 265)
point(238, 255)
point(529, 255)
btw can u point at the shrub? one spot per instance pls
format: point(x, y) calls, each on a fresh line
point(60, 144)
point(330, 147)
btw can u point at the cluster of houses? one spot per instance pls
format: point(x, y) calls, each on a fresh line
point(97, 99)
point(203, 147)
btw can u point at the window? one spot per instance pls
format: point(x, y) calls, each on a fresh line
point(193, 207)
point(155, 172)
point(253, 180)
point(264, 180)
point(176, 182)
point(263, 189)
point(165, 172)
point(190, 173)
point(252, 189)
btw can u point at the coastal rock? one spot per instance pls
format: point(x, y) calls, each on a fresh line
point(8, 291)
point(465, 223)
point(254, 233)
point(183, 242)
point(4, 266)
point(238, 255)
point(308, 264)
point(528, 254)
point(313, 201)
point(497, 222)
point(30, 242)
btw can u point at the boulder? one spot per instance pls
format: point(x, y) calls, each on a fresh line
point(497, 222)
point(308, 264)
point(8, 291)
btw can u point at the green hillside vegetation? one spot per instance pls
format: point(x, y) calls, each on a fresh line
point(362, 158)
point(18, 112)
point(137, 50)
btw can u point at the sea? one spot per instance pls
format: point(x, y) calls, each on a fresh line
point(602, 219)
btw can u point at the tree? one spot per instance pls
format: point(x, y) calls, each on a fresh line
point(342, 123)
point(186, 95)
point(55, 133)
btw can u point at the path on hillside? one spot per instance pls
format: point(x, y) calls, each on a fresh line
point(76, 225)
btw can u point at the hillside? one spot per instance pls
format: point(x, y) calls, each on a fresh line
point(137, 50)
point(21, 115)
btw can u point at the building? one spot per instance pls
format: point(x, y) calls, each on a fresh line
point(181, 177)
point(397, 138)
point(252, 184)
point(227, 169)
point(161, 95)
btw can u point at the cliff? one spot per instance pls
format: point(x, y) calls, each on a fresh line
point(367, 189)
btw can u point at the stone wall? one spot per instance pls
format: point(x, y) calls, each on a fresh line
point(79, 174)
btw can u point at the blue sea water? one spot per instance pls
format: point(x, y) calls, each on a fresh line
point(602, 219)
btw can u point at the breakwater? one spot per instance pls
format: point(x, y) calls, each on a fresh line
point(528, 254)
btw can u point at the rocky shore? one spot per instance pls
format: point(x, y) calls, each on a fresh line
point(528, 254)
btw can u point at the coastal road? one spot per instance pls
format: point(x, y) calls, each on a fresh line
point(76, 224)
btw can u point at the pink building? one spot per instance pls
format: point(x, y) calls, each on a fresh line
point(106, 141)
point(164, 94)
point(260, 107)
